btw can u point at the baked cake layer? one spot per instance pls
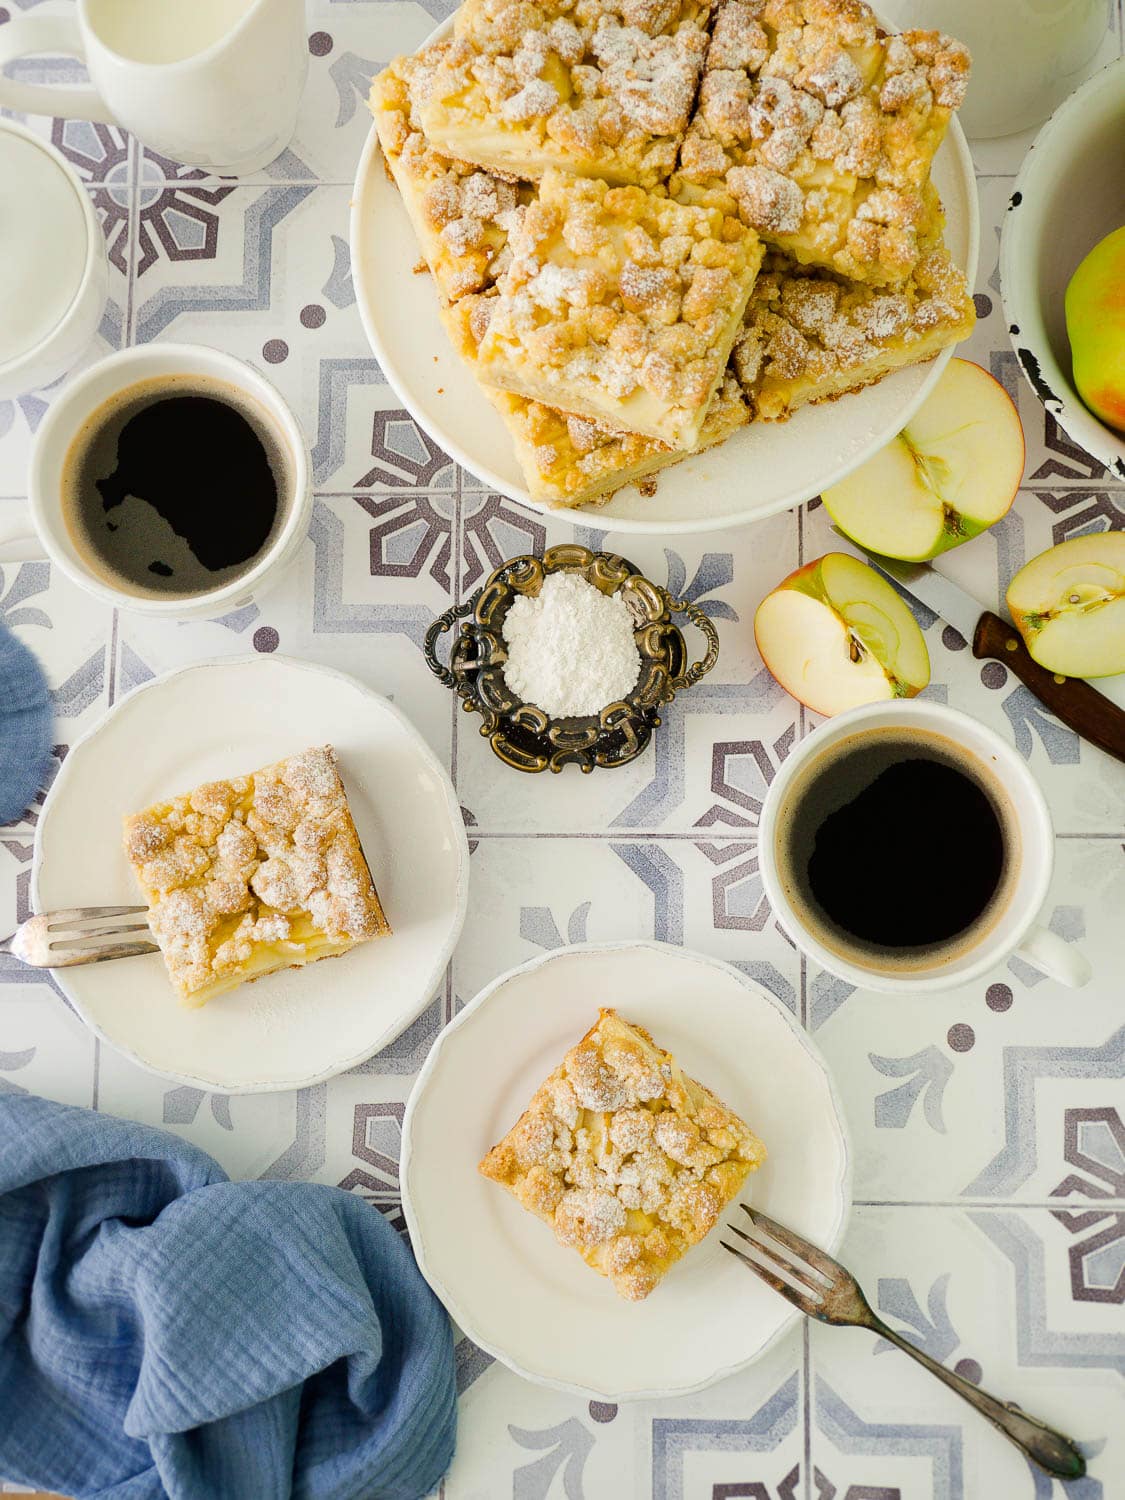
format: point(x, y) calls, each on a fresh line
point(258, 873)
point(461, 214)
point(620, 305)
point(821, 130)
point(810, 336)
point(628, 1159)
point(597, 87)
point(569, 460)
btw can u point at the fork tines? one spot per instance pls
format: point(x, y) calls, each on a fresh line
point(782, 1259)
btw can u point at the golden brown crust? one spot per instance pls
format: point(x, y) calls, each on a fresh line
point(597, 87)
point(253, 874)
point(461, 214)
point(809, 336)
point(570, 460)
point(820, 130)
point(626, 1158)
point(620, 305)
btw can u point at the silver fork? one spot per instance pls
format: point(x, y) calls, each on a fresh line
point(822, 1289)
point(59, 939)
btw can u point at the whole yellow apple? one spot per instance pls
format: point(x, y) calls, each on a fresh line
point(1095, 322)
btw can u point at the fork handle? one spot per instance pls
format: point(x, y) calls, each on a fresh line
point(1045, 1447)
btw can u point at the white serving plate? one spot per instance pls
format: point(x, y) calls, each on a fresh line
point(761, 470)
point(219, 719)
point(1070, 193)
point(535, 1304)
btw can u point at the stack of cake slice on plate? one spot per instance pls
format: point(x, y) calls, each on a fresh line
point(651, 222)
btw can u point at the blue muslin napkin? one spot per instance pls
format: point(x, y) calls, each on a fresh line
point(26, 716)
point(165, 1332)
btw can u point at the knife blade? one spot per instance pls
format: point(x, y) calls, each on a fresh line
point(947, 600)
point(1092, 715)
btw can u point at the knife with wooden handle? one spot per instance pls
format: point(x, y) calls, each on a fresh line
point(1081, 707)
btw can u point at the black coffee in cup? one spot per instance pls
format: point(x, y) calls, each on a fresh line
point(900, 848)
point(176, 486)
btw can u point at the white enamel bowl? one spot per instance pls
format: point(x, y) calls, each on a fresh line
point(1070, 193)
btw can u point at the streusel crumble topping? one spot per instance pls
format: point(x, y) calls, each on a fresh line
point(627, 1158)
point(271, 859)
point(619, 305)
point(821, 129)
point(600, 87)
point(809, 335)
point(461, 214)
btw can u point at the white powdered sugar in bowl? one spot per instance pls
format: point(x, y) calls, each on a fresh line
point(570, 649)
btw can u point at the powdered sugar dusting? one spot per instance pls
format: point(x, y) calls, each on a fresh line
point(570, 649)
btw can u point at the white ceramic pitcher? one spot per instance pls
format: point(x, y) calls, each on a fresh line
point(211, 83)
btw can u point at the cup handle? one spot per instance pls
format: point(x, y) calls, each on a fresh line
point(1058, 960)
point(26, 36)
point(19, 541)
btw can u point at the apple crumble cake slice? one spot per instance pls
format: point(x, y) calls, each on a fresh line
point(258, 873)
point(597, 87)
point(620, 305)
point(810, 336)
point(569, 460)
point(628, 1159)
point(821, 128)
point(461, 214)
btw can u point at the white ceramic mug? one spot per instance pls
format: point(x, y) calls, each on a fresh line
point(1013, 931)
point(40, 527)
point(212, 83)
point(1028, 55)
point(54, 277)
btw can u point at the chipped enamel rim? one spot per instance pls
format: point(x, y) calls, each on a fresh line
point(1057, 149)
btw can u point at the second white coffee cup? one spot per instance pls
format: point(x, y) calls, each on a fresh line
point(1014, 931)
point(42, 528)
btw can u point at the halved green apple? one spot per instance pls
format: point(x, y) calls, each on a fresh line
point(952, 471)
point(835, 634)
point(1069, 605)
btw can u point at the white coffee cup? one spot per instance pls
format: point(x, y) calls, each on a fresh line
point(211, 83)
point(40, 527)
point(53, 272)
point(1028, 55)
point(1012, 931)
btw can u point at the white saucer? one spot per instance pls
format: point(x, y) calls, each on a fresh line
point(763, 469)
point(505, 1280)
point(222, 718)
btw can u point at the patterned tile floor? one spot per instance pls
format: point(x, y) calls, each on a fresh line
point(989, 1122)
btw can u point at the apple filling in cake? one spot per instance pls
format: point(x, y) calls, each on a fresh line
point(821, 129)
point(570, 460)
point(461, 214)
point(258, 873)
point(597, 87)
point(628, 1159)
point(621, 306)
point(810, 336)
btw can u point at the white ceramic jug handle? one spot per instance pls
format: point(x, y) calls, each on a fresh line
point(1051, 956)
point(18, 539)
point(50, 36)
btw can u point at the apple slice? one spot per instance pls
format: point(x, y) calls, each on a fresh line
point(835, 634)
point(952, 472)
point(1069, 605)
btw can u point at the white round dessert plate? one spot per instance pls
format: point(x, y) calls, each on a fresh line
point(224, 718)
point(762, 469)
point(1068, 196)
point(535, 1304)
